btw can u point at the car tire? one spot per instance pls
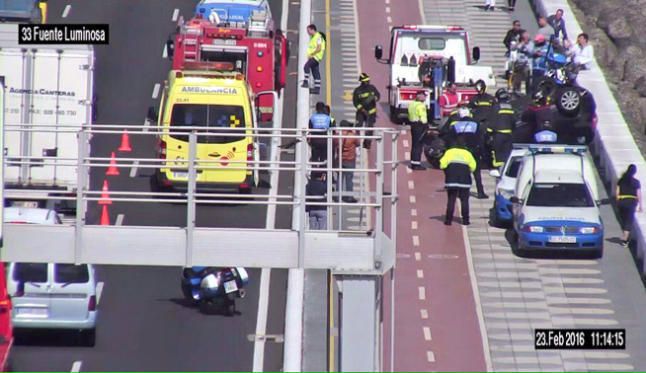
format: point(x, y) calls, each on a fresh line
point(88, 337)
point(568, 101)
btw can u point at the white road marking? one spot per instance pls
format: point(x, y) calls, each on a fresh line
point(415, 241)
point(427, 333)
point(423, 313)
point(66, 11)
point(406, 155)
point(76, 366)
point(420, 273)
point(165, 52)
point(412, 199)
point(411, 184)
point(421, 292)
point(156, 91)
point(430, 356)
point(389, 19)
point(119, 220)
point(405, 142)
point(418, 256)
point(175, 15)
point(99, 291)
point(413, 225)
point(387, 1)
point(413, 212)
point(387, 9)
point(408, 170)
point(134, 169)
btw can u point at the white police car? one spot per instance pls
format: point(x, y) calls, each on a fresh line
point(506, 186)
point(556, 200)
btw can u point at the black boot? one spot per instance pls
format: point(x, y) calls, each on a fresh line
point(306, 84)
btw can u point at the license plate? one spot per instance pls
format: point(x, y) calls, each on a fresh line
point(29, 311)
point(230, 286)
point(180, 175)
point(26, 204)
point(562, 239)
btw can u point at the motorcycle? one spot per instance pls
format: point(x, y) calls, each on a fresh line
point(560, 82)
point(214, 289)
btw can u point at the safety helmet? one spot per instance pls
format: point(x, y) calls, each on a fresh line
point(539, 39)
point(539, 97)
point(502, 95)
point(481, 86)
point(364, 77)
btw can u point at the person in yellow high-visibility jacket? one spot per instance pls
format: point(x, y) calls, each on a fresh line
point(418, 119)
point(315, 52)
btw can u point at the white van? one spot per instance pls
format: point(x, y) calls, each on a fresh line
point(51, 295)
point(556, 201)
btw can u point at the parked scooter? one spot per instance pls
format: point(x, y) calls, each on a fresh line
point(214, 289)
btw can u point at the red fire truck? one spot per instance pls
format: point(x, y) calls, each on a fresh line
point(6, 329)
point(254, 48)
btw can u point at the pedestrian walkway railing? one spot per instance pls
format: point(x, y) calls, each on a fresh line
point(107, 187)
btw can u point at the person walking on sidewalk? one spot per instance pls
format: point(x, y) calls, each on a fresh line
point(315, 53)
point(458, 163)
point(316, 191)
point(365, 98)
point(629, 199)
point(489, 5)
point(349, 144)
point(511, 4)
point(418, 119)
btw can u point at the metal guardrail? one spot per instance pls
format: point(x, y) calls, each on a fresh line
point(366, 250)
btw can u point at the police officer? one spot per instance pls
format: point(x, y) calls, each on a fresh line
point(501, 127)
point(315, 52)
point(458, 163)
point(481, 104)
point(320, 123)
point(545, 133)
point(418, 119)
point(365, 98)
point(468, 128)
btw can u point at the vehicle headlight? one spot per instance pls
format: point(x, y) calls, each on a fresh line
point(589, 230)
point(533, 228)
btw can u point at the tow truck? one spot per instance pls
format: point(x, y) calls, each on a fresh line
point(409, 45)
point(257, 51)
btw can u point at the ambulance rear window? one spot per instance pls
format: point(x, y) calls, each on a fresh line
point(229, 118)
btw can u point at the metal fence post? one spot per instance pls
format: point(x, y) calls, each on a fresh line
point(329, 163)
point(190, 206)
point(379, 192)
point(393, 237)
point(81, 181)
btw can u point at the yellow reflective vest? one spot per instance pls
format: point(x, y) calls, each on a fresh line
point(311, 47)
point(417, 112)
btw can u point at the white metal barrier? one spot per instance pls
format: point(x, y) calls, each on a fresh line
point(614, 144)
point(366, 251)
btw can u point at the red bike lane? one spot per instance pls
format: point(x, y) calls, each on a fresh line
point(436, 323)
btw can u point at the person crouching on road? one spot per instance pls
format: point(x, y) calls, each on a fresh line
point(320, 123)
point(349, 144)
point(316, 191)
point(365, 98)
point(418, 119)
point(458, 163)
point(629, 199)
point(315, 52)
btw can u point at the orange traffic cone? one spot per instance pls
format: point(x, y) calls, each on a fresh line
point(112, 170)
point(105, 218)
point(105, 196)
point(125, 142)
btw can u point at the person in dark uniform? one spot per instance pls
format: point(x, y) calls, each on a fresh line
point(473, 134)
point(629, 199)
point(320, 123)
point(539, 112)
point(481, 105)
point(365, 98)
point(501, 127)
point(458, 163)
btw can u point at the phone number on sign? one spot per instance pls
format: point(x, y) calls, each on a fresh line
point(547, 339)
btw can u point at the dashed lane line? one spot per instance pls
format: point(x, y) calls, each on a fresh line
point(175, 15)
point(76, 366)
point(427, 333)
point(423, 313)
point(421, 293)
point(66, 11)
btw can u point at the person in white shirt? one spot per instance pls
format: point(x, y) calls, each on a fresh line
point(582, 52)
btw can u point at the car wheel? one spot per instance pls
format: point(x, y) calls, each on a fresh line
point(88, 337)
point(568, 101)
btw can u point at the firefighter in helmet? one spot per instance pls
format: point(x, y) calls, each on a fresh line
point(501, 127)
point(365, 98)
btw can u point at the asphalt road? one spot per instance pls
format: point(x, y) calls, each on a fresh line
point(144, 325)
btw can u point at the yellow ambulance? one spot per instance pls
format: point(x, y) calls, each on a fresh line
point(201, 100)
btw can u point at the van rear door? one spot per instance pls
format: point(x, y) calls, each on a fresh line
point(30, 290)
point(70, 292)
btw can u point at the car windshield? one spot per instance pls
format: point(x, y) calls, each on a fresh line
point(208, 116)
point(559, 195)
point(514, 166)
point(71, 274)
point(30, 272)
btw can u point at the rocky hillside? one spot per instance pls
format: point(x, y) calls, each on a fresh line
point(616, 29)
